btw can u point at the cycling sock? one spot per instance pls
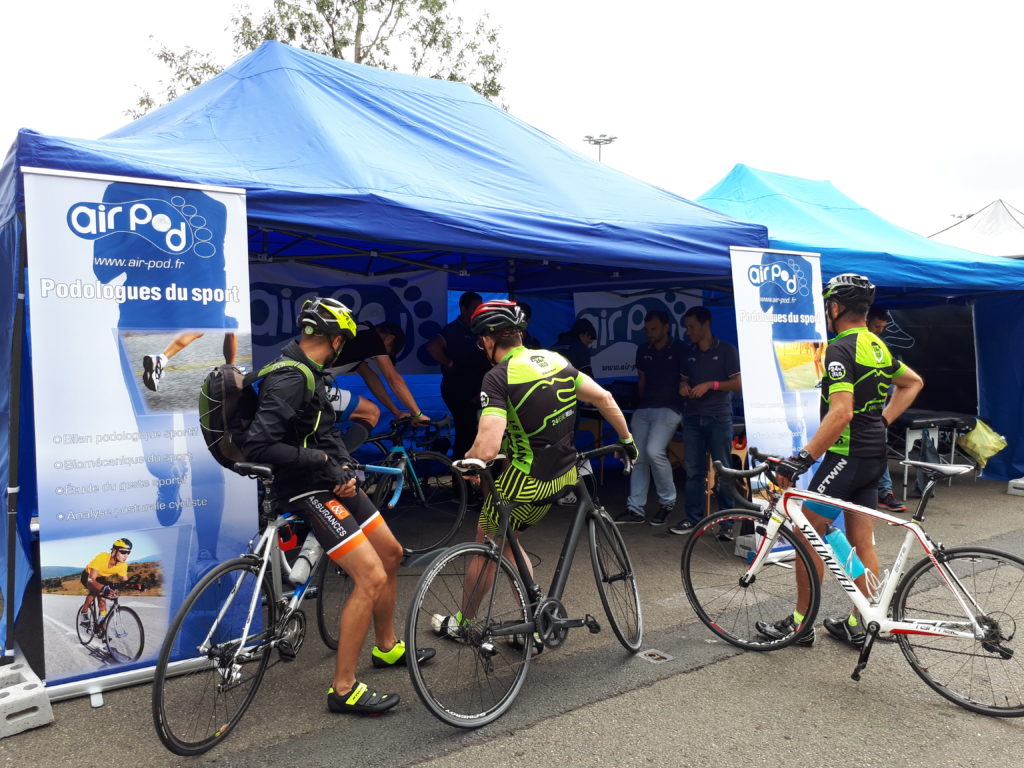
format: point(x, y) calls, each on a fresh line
point(355, 436)
point(852, 621)
point(797, 617)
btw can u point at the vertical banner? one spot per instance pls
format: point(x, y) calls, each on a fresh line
point(780, 323)
point(619, 321)
point(415, 302)
point(136, 289)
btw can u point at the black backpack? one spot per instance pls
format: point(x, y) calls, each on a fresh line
point(227, 405)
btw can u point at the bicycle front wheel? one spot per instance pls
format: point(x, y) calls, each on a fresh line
point(984, 674)
point(478, 671)
point(209, 669)
point(616, 582)
point(433, 502)
point(333, 588)
point(124, 635)
point(714, 561)
point(84, 623)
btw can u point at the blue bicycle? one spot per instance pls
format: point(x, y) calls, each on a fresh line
point(432, 504)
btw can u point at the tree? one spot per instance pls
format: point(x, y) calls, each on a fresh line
point(423, 37)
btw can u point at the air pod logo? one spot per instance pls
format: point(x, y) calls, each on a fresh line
point(787, 275)
point(174, 227)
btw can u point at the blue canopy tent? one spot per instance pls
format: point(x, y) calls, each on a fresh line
point(375, 172)
point(807, 215)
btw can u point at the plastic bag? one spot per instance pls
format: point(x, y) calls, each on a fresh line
point(981, 443)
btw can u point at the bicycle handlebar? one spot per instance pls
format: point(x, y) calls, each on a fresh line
point(475, 466)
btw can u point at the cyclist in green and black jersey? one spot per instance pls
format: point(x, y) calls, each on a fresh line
point(529, 399)
point(859, 371)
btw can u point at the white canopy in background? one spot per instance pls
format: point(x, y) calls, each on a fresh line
point(997, 230)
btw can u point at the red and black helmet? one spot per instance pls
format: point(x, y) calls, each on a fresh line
point(497, 316)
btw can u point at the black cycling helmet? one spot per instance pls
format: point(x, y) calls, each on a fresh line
point(850, 289)
point(122, 543)
point(326, 317)
point(498, 316)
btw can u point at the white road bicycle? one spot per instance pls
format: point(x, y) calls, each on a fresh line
point(955, 613)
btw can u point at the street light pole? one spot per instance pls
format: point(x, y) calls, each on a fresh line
point(600, 141)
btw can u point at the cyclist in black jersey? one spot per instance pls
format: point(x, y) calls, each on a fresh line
point(529, 402)
point(859, 371)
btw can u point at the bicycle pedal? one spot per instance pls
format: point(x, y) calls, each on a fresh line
point(591, 624)
point(286, 651)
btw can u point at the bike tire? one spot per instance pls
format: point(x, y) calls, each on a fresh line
point(432, 504)
point(85, 633)
point(333, 588)
point(185, 721)
point(616, 582)
point(475, 676)
point(124, 635)
point(967, 671)
point(711, 573)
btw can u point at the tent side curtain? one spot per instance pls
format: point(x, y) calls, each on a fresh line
point(10, 234)
point(999, 325)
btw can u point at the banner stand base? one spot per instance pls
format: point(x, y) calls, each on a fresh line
point(24, 702)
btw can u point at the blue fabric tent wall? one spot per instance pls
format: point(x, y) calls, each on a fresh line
point(806, 215)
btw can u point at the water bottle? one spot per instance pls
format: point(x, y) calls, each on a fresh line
point(846, 554)
point(308, 555)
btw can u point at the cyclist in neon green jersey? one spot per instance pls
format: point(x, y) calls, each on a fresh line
point(529, 402)
point(859, 371)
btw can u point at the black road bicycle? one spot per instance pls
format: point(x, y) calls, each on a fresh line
point(492, 614)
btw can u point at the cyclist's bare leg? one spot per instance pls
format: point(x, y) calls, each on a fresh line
point(369, 578)
point(803, 584)
point(480, 576)
point(366, 411)
point(860, 530)
point(390, 553)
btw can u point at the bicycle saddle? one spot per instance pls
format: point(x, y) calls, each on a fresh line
point(253, 470)
point(947, 470)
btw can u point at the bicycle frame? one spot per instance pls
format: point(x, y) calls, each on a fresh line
point(875, 610)
point(585, 508)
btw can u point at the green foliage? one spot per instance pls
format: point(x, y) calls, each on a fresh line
point(422, 37)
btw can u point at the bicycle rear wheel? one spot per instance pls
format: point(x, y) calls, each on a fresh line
point(712, 570)
point(124, 635)
point(983, 675)
point(432, 504)
point(616, 582)
point(208, 672)
point(333, 588)
point(476, 675)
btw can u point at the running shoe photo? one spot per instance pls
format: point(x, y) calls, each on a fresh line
point(152, 370)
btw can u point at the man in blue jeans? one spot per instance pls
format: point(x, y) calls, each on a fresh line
point(710, 376)
point(659, 366)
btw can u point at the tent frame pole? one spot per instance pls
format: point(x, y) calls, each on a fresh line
point(12, 474)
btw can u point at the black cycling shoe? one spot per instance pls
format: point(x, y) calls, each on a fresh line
point(397, 657)
point(361, 701)
point(784, 628)
point(840, 630)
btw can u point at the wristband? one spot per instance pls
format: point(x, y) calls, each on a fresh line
point(716, 385)
point(417, 415)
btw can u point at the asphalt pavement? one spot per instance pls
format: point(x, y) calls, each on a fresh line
point(590, 703)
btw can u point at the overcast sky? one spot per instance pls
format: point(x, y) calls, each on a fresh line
point(911, 108)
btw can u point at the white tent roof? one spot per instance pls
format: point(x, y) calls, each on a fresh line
point(997, 229)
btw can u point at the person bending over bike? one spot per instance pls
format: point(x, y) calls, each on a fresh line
point(379, 344)
point(101, 569)
point(314, 479)
point(859, 371)
point(530, 394)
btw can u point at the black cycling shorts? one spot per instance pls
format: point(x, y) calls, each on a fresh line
point(850, 478)
point(340, 525)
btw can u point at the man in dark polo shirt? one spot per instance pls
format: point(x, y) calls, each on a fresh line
point(710, 376)
point(659, 366)
point(463, 366)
